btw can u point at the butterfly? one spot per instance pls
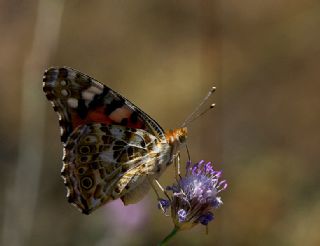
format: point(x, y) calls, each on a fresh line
point(111, 148)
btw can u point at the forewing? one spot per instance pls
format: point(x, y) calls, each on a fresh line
point(79, 99)
point(97, 160)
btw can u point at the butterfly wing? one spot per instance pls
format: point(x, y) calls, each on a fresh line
point(110, 145)
point(79, 99)
point(103, 163)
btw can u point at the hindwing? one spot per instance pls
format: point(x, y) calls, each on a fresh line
point(99, 161)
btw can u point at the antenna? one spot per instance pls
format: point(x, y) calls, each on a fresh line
point(196, 114)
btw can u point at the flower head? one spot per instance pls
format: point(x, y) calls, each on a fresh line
point(195, 195)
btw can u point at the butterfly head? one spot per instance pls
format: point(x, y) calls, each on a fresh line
point(182, 135)
point(177, 136)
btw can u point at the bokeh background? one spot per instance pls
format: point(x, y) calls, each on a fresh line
point(263, 57)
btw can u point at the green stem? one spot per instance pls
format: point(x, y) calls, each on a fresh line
point(167, 238)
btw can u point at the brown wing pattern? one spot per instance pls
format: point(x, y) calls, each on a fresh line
point(101, 160)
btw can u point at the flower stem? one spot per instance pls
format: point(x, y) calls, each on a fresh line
point(167, 238)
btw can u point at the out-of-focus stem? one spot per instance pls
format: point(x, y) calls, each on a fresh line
point(171, 235)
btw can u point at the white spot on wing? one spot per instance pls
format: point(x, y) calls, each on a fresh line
point(72, 102)
point(117, 131)
point(64, 92)
point(87, 95)
point(94, 90)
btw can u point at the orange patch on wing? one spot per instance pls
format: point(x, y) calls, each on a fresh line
point(121, 113)
point(95, 116)
point(98, 116)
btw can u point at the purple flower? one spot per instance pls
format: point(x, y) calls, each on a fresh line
point(164, 204)
point(195, 195)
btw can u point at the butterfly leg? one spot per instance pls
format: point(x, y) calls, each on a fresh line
point(162, 189)
point(154, 188)
point(177, 167)
point(188, 153)
point(157, 194)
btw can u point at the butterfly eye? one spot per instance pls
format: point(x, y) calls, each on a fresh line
point(86, 183)
point(84, 149)
point(182, 138)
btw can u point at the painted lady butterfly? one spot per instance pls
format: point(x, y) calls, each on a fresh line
point(111, 147)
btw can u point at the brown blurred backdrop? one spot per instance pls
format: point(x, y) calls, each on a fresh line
point(263, 57)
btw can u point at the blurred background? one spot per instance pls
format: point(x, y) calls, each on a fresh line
point(263, 57)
